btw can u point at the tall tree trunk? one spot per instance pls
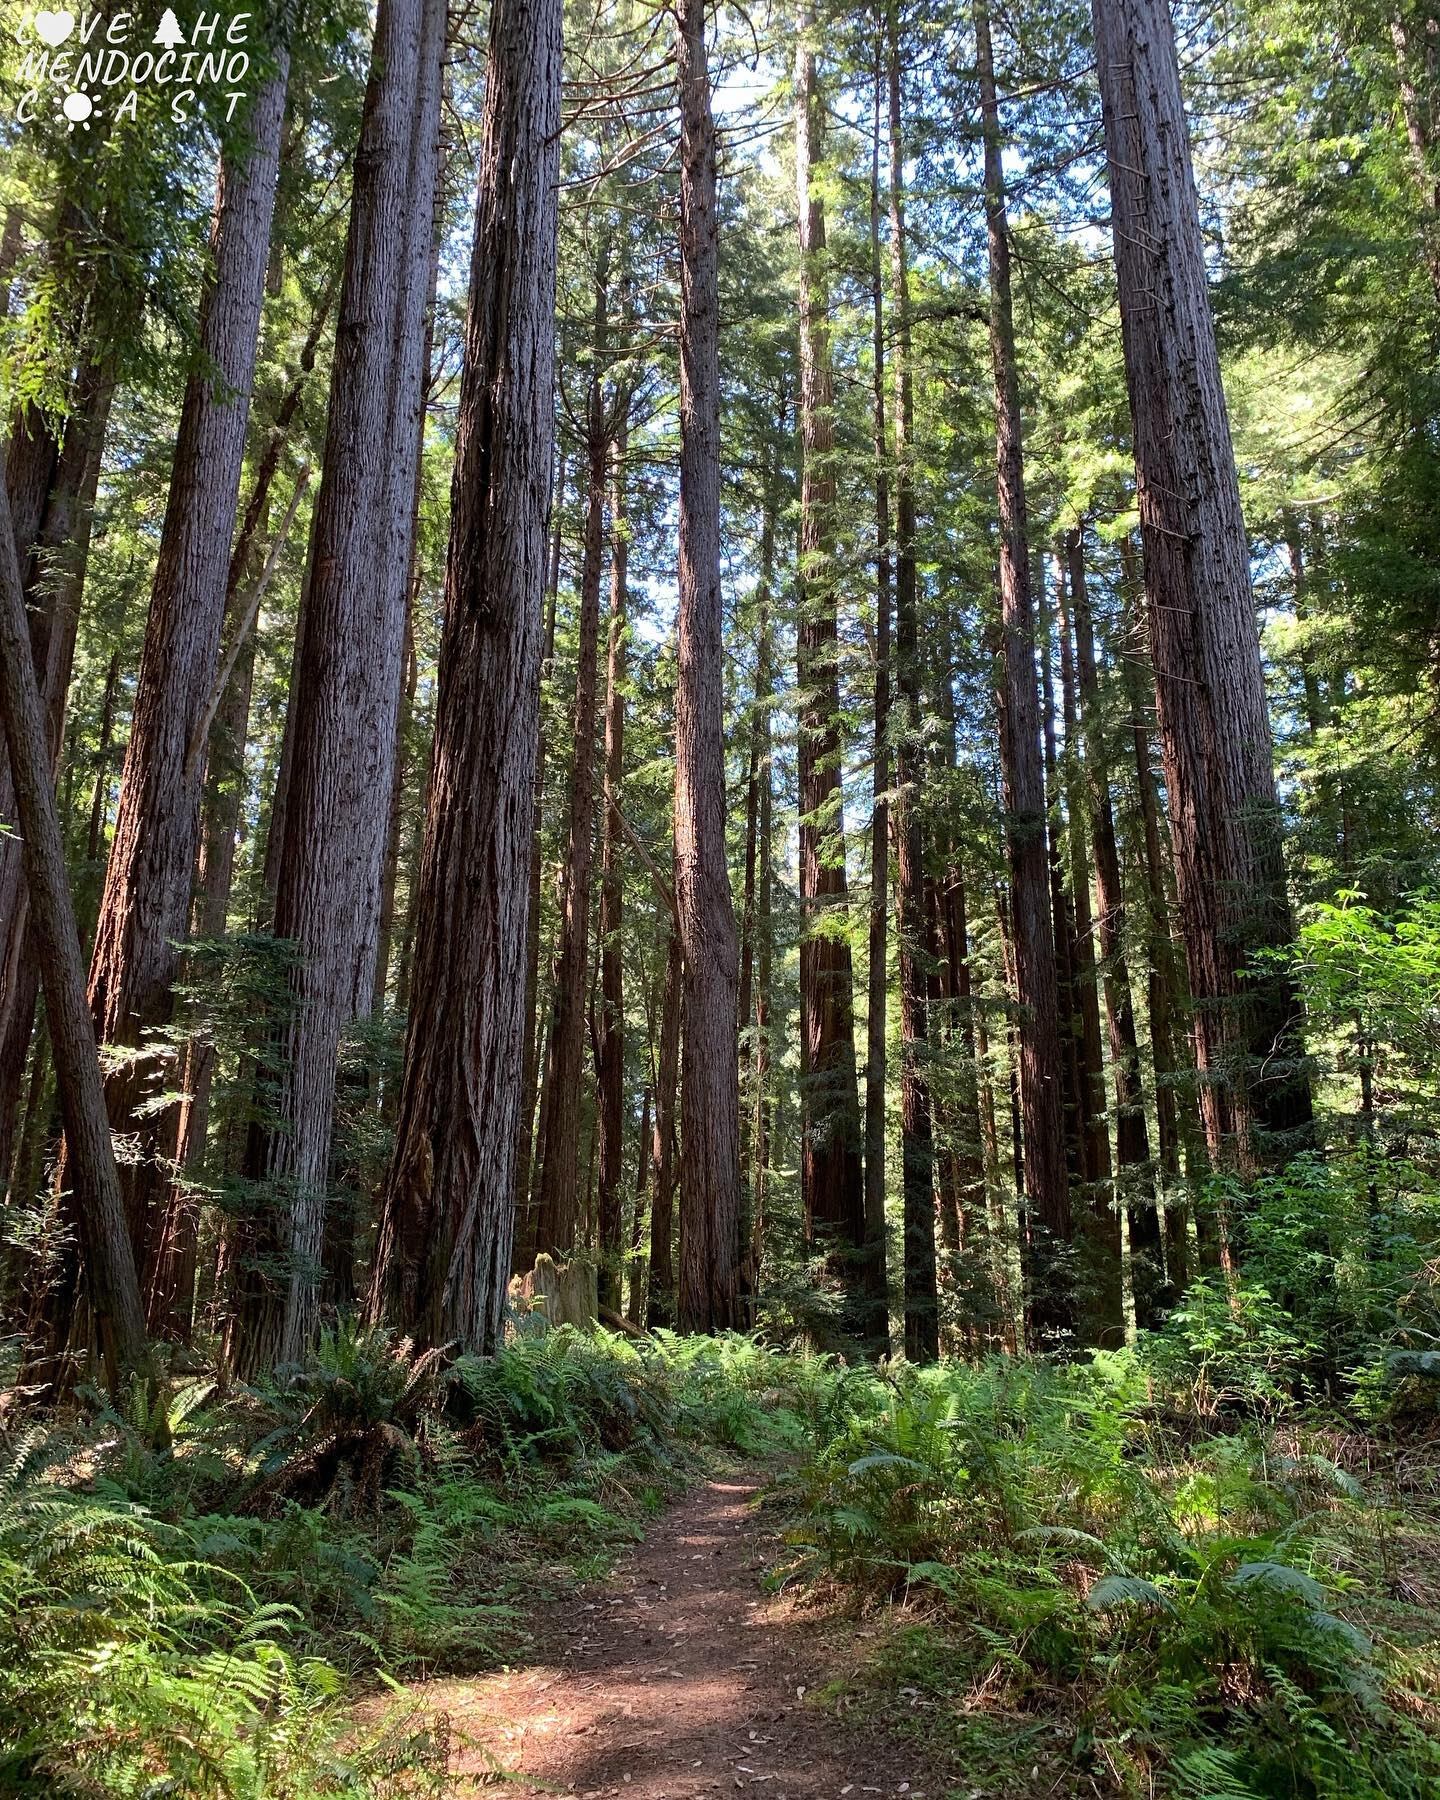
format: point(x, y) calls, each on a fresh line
point(1105, 1284)
point(635, 1289)
point(343, 746)
point(764, 967)
point(560, 1099)
point(443, 1257)
point(709, 1290)
point(145, 904)
point(1077, 1145)
point(831, 1177)
point(395, 820)
point(526, 1221)
point(876, 1334)
point(1210, 686)
point(759, 726)
point(967, 1125)
point(1132, 1144)
point(1035, 975)
point(112, 1285)
point(610, 1077)
point(921, 1297)
point(660, 1307)
point(171, 1263)
point(1173, 1102)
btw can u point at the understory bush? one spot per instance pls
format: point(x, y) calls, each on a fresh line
point(191, 1585)
point(1194, 1614)
point(1166, 1570)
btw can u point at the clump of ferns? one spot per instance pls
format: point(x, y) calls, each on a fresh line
point(362, 1413)
point(562, 1396)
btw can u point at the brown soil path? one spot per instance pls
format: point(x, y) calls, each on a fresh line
point(678, 1679)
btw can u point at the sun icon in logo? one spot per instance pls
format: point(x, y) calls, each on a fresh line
point(77, 108)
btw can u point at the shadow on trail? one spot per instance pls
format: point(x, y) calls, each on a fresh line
point(677, 1678)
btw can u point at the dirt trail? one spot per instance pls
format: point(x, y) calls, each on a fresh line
point(678, 1678)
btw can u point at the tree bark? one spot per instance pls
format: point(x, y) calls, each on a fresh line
point(443, 1257)
point(876, 1324)
point(1210, 687)
point(523, 1250)
point(1175, 1123)
point(764, 965)
point(710, 1257)
point(1104, 1295)
point(635, 1305)
point(560, 1099)
point(831, 1175)
point(660, 1306)
point(145, 904)
point(921, 1295)
point(1132, 1142)
point(1024, 779)
point(343, 747)
point(610, 1078)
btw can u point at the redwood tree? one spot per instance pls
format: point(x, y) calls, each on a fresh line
point(830, 1161)
point(558, 1206)
point(922, 1304)
point(145, 904)
point(348, 666)
point(709, 1288)
point(1047, 1190)
point(1209, 683)
point(610, 1056)
point(443, 1257)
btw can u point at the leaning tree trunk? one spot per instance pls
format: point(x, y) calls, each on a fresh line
point(1035, 982)
point(710, 1256)
point(52, 561)
point(921, 1291)
point(610, 1058)
point(831, 1178)
point(560, 1109)
point(145, 904)
point(1209, 683)
point(443, 1257)
point(343, 743)
point(112, 1285)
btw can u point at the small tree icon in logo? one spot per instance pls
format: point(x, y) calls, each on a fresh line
point(168, 32)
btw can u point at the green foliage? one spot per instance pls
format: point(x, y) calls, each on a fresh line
point(1184, 1606)
point(128, 1667)
point(190, 1583)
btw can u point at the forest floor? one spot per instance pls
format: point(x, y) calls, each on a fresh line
point(678, 1678)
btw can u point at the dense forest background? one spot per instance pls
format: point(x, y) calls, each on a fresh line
point(766, 671)
point(1062, 878)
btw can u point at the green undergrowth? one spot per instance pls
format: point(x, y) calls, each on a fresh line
point(1073, 1580)
point(1182, 1570)
point(193, 1593)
